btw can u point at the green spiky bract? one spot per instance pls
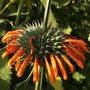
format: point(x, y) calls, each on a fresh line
point(45, 42)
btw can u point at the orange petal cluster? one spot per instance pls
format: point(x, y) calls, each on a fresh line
point(72, 47)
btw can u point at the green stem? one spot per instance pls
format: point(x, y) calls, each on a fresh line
point(19, 12)
point(36, 85)
point(29, 10)
point(5, 7)
point(25, 81)
point(41, 79)
point(14, 14)
point(46, 13)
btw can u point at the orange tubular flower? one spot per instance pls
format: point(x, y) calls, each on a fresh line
point(6, 53)
point(78, 61)
point(51, 48)
point(70, 65)
point(11, 35)
point(54, 65)
point(62, 68)
point(49, 70)
point(35, 70)
point(17, 64)
point(80, 44)
point(77, 53)
point(23, 65)
point(17, 54)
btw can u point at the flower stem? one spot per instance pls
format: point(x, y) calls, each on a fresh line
point(25, 81)
point(19, 12)
point(36, 85)
point(41, 79)
point(46, 14)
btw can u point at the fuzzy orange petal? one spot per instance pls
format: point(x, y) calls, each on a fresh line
point(70, 65)
point(9, 51)
point(77, 53)
point(17, 64)
point(31, 45)
point(16, 55)
point(23, 65)
point(78, 61)
point(35, 70)
point(75, 41)
point(49, 70)
point(62, 68)
point(54, 65)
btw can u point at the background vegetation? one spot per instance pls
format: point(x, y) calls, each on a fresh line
point(71, 15)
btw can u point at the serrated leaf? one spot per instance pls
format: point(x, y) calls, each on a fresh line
point(58, 84)
point(78, 76)
point(5, 74)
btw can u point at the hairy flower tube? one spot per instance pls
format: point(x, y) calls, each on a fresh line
point(55, 51)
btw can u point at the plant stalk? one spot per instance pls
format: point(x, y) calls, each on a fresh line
point(25, 82)
point(20, 7)
point(46, 14)
point(1, 12)
point(38, 84)
point(41, 79)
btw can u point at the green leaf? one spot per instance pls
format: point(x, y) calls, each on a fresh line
point(58, 84)
point(89, 37)
point(4, 85)
point(56, 2)
point(1, 4)
point(5, 74)
point(5, 24)
point(68, 30)
point(78, 76)
point(74, 88)
point(51, 15)
point(88, 0)
point(64, 2)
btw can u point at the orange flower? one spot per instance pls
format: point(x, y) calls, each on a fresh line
point(17, 64)
point(35, 70)
point(78, 61)
point(80, 44)
point(62, 68)
point(17, 54)
point(54, 65)
point(11, 35)
point(9, 51)
point(49, 70)
point(23, 65)
point(70, 65)
point(51, 49)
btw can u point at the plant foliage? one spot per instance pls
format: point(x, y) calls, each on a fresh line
point(73, 16)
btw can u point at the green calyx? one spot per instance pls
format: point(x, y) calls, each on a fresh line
point(44, 41)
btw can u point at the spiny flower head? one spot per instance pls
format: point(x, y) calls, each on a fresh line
point(50, 48)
